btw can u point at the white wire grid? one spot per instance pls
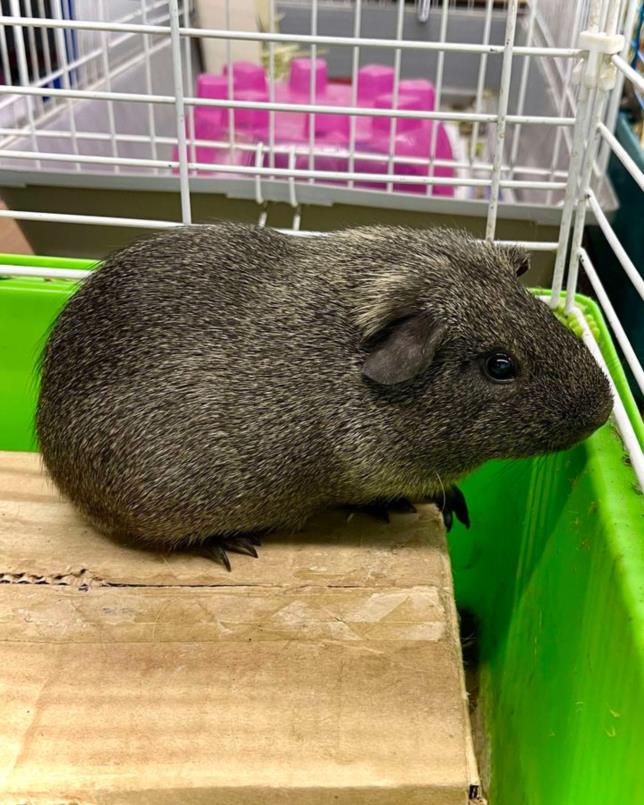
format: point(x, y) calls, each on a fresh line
point(63, 63)
point(102, 43)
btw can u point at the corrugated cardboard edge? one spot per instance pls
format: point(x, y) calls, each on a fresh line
point(475, 794)
point(411, 543)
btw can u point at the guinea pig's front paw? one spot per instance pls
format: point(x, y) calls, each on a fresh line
point(381, 509)
point(217, 548)
point(451, 502)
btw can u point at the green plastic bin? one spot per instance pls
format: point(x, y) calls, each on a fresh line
point(552, 571)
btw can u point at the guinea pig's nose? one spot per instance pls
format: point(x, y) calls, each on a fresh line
point(606, 408)
point(597, 405)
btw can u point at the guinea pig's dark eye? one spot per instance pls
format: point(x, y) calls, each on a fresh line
point(500, 367)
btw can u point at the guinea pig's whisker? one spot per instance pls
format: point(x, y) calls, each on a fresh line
point(440, 481)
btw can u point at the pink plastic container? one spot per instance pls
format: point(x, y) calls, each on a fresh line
point(406, 103)
point(247, 76)
point(421, 89)
point(374, 80)
point(331, 132)
point(299, 79)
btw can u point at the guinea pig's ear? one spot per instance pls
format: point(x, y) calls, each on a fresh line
point(403, 350)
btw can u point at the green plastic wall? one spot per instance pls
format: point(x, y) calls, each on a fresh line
point(553, 568)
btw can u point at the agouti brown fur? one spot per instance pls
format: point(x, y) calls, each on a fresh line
point(224, 379)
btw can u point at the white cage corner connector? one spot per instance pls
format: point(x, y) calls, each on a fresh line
point(597, 70)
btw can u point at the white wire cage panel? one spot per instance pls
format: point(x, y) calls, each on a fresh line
point(96, 89)
point(66, 70)
point(107, 94)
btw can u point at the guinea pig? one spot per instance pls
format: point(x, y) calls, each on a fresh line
point(214, 382)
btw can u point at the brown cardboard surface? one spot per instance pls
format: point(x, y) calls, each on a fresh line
point(327, 671)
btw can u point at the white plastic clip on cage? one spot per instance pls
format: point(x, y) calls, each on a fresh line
point(101, 101)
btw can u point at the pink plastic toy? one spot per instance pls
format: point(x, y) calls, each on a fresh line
point(331, 133)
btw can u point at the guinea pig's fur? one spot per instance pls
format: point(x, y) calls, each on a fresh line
point(225, 379)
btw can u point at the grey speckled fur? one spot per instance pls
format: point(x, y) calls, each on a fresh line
point(209, 380)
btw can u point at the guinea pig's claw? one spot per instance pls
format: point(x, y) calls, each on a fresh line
point(215, 551)
point(253, 539)
point(216, 548)
point(244, 545)
point(452, 502)
point(457, 503)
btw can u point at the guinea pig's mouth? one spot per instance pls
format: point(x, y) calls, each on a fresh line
point(556, 436)
point(583, 430)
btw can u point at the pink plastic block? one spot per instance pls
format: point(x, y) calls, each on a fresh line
point(374, 80)
point(210, 123)
point(443, 151)
point(287, 137)
point(255, 119)
point(421, 89)
point(406, 103)
point(247, 76)
point(414, 143)
point(212, 86)
point(413, 137)
point(299, 80)
point(332, 156)
point(327, 125)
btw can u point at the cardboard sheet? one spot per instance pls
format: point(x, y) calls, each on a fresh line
point(326, 671)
